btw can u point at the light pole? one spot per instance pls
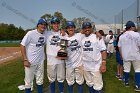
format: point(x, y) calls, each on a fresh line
point(122, 20)
point(138, 16)
point(138, 23)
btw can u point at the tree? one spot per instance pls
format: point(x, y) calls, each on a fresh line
point(57, 14)
point(79, 21)
point(48, 18)
point(62, 19)
point(11, 32)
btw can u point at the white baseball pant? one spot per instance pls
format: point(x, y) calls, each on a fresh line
point(34, 70)
point(73, 74)
point(94, 79)
point(54, 71)
point(127, 66)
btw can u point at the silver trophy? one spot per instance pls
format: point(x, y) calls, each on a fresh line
point(62, 53)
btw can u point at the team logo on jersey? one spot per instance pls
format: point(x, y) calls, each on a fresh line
point(87, 45)
point(74, 45)
point(54, 40)
point(41, 42)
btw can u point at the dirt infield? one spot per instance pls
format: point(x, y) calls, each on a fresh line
point(9, 53)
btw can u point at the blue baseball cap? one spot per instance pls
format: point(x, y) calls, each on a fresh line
point(70, 24)
point(110, 31)
point(86, 24)
point(130, 24)
point(55, 20)
point(42, 20)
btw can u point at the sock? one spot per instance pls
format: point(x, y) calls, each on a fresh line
point(91, 90)
point(40, 88)
point(70, 88)
point(52, 87)
point(80, 88)
point(137, 78)
point(28, 90)
point(126, 77)
point(61, 87)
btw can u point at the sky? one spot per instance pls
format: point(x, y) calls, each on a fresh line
point(26, 13)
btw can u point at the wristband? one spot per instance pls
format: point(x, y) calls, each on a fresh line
point(103, 60)
point(25, 60)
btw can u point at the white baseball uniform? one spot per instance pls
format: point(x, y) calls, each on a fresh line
point(107, 38)
point(92, 59)
point(129, 43)
point(74, 68)
point(34, 43)
point(110, 46)
point(54, 65)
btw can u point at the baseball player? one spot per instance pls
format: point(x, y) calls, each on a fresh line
point(108, 40)
point(32, 48)
point(100, 34)
point(93, 58)
point(55, 67)
point(119, 61)
point(74, 68)
point(129, 46)
point(110, 47)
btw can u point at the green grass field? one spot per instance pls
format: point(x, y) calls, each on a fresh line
point(9, 44)
point(12, 75)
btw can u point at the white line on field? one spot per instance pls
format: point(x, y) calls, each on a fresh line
point(12, 55)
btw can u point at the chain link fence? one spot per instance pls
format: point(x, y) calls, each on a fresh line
point(9, 41)
point(131, 13)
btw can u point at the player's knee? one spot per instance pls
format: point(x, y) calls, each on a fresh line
point(61, 79)
point(98, 86)
point(89, 84)
point(51, 78)
point(70, 82)
point(28, 85)
point(39, 82)
point(137, 70)
point(80, 82)
point(126, 70)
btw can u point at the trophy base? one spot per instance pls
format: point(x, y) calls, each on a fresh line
point(61, 55)
point(61, 58)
